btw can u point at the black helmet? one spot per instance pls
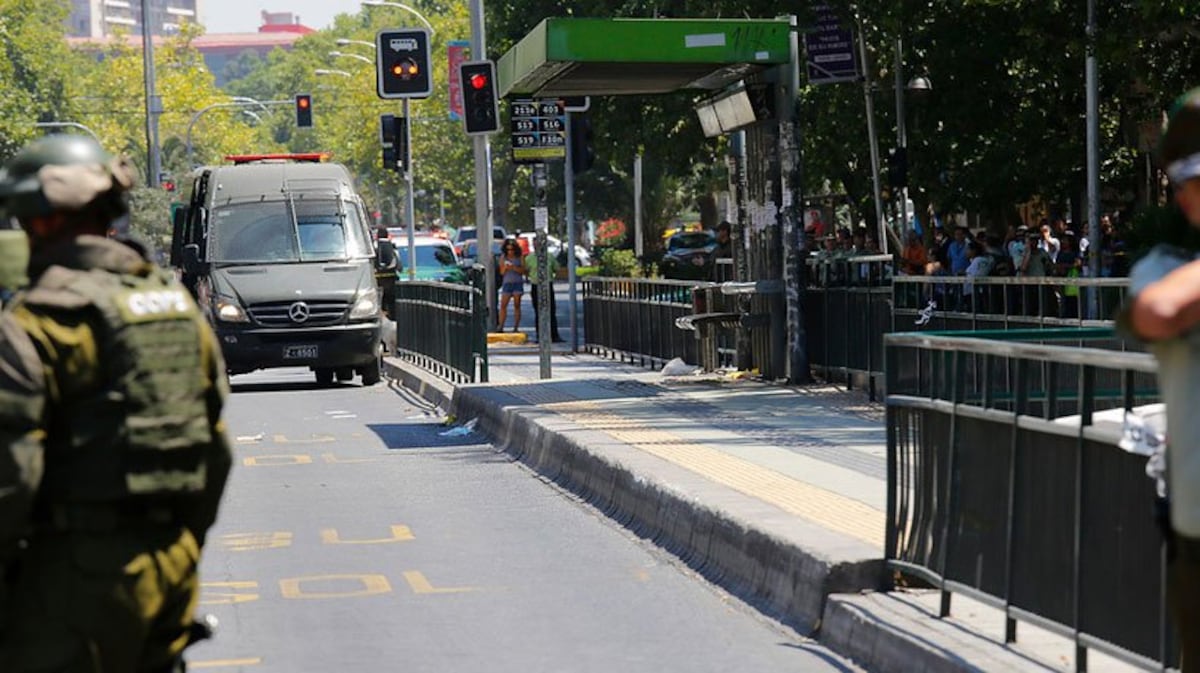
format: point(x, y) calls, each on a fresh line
point(63, 172)
point(1179, 147)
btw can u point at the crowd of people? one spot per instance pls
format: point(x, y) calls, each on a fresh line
point(1052, 248)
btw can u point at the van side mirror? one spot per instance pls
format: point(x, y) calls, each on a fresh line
point(191, 259)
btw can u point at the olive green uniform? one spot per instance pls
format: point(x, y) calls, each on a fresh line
point(113, 464)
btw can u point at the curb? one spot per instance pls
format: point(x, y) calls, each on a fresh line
point(841, 604)
point(779, 578)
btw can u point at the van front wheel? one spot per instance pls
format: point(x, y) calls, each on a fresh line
point(372, 373)
point(324, 376)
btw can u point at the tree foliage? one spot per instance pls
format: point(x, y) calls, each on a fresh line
point(1004, 123)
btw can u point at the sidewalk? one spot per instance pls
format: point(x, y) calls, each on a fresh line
point(774, 493)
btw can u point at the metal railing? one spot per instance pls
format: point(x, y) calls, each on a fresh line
point(633, 319)
point(1004, 302)
point(1005, 484)
point(443, 328)
point(847, 311)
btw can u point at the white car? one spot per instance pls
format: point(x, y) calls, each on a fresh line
point(554, 246)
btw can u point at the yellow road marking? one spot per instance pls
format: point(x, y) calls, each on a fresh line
point(275, 460)
point(825, 508)
point(420, 585)
point(221, 598)
point(369, 585)
point(220, 663)
point(330, 458)
point(315, 439)
point(399, 534)
point(255, 541)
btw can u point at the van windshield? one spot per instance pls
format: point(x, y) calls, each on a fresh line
point(265, 232)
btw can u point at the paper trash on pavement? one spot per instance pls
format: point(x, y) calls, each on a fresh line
point(678, 367)
point(460, 431)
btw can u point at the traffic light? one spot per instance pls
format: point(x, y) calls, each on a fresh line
point(481, 113)
point(897, 169)
point(393, 137)
point(582, 154)
point(402, 63)
point(303, 110)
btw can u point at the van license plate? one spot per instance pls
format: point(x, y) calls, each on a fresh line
point(299, 352)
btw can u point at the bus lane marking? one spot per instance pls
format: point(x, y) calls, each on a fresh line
point(420, 585)
point(399, 534)
point(313, 439)
point(334, 460)
point(255, 541)
point(222, 663)
point(276, 460)
point(368, 585)
point(225, 598)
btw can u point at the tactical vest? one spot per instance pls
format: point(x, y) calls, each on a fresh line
point(143, 432)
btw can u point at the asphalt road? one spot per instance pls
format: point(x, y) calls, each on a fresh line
point(356, 537)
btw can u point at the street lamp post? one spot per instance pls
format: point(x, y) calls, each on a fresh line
point(342, 54)
point(916, 85)
point(397, 5)
point(326, 71)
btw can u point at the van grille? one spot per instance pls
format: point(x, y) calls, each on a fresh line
point(277, 313)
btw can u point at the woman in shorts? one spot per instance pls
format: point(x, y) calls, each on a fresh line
point(512, 282)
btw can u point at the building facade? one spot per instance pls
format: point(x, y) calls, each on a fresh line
point(101, 18)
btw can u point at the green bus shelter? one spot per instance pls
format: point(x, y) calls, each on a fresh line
point(580, 57)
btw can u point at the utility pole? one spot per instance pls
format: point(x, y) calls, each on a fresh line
point(741, 265)
point(153, 103)
point(791, 215)
point(569, 185)
point(901, 137)
point(1093, 161)
point(872, 138)
point(541, 222)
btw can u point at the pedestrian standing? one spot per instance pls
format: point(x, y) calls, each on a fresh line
point(511, 267)
point(1164, 311)
point(113, 455)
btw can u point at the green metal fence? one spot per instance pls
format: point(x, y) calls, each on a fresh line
point(1005, 484)
point(443, 328)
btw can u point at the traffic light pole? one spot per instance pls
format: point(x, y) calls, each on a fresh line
point(410, 204)
point(483, 173)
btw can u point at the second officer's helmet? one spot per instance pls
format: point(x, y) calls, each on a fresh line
point(1179, 147)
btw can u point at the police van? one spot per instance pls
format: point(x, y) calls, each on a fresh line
point(277, 250)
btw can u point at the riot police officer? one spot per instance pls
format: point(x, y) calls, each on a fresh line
point(113, 455)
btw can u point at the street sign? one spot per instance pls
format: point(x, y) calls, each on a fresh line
point(829, 49)
point(538, 131)
point(402, 63)
point(456, 54)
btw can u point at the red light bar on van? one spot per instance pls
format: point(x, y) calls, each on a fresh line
point(315, 157)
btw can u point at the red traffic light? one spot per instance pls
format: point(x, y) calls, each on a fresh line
point(478, 81)
point(302, 102)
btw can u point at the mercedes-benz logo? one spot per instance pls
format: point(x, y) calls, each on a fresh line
point(298, 312)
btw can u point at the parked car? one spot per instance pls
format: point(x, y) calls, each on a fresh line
point(470, 251)
point(689, 255)
point(464, 234)
point(436, 260)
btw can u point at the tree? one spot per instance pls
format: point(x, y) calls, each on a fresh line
point(34, 71)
